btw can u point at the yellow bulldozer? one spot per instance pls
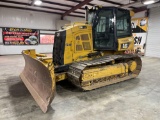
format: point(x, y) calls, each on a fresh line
point(90, 54)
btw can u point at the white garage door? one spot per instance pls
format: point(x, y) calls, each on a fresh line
point(153, 39)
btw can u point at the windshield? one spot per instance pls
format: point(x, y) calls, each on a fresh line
point(123, 23)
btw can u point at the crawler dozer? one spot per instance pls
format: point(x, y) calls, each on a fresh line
point(90, 54)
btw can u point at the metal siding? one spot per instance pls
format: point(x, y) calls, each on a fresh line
point(28, 19)
point(1, 41)
point(153, 38)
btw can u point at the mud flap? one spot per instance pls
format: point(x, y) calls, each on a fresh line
point(39, 80)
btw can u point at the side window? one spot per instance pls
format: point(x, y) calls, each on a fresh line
point(123, 23)
point(101, 25)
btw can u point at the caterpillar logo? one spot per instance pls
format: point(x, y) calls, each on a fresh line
point(124, 45)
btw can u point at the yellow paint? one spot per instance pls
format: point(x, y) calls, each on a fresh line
point(131, 13)
point(30, 52)
point(47, 62)
point(73, 39)
point(104, 71)
point(41, 55)
point(132, 65)
point(72, 32)
point(61, 76)
point(129, 40)
point(75, 36)
point(138, 20)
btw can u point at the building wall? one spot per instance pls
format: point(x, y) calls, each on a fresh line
point(153, 42)
point(28, 19)
point(35, 20)
point(139, 14)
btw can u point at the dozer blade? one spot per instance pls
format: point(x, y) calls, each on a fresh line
point(39, 80)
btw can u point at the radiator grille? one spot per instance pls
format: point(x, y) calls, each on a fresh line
point(78, 47)
point(84, 37)
point(86, 46)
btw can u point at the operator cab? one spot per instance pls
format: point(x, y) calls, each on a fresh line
point(109, 24)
